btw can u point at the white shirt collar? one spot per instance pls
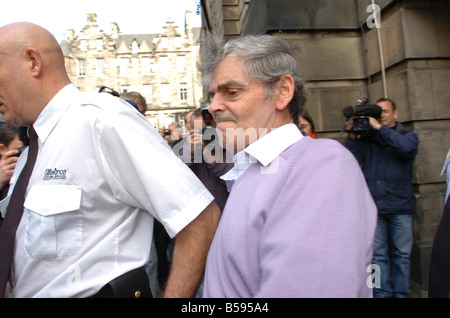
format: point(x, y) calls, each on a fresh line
point(53, 112)
point(264, 150)
point(269, 147)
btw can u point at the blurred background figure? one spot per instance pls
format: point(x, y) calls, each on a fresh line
point(306, 123)
point(187, 120)
point(10, 146)
point(138, 99)
point(209, 171)
point(173, 134)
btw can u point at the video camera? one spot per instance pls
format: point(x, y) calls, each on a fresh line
point(207, 117)
point(105, 89)
point(209, 132)
point(361, 113)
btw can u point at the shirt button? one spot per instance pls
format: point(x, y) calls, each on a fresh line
point(137, 294)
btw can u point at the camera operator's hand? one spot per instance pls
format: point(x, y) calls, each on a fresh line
point(349, 126)
point(374, 123)
point(196, 139)
point(7, 165)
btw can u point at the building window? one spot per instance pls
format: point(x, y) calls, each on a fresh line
point(84, 45)
point(101, 67)
point(178, 42)
point(164, 42)
point(134, 47)
point(183, 92)
point(147, 93)
point(181, 64)
point(164, 65)
point(165, 93)
point(99, 44)
point(124, 65)
point(81, 67)
point(145, 66)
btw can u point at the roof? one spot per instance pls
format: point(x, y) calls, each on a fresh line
point(126, 40)
point(140, 38)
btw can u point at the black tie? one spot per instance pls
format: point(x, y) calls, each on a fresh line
point(14, 213)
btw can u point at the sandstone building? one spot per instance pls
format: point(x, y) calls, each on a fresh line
point(162, 67)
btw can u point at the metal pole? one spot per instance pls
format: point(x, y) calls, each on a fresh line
point(380, 47)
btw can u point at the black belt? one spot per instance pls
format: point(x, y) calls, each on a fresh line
point(134, 284)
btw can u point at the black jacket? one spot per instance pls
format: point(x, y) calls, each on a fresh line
point(387, 160)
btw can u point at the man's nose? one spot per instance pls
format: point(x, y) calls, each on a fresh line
point(215, 105)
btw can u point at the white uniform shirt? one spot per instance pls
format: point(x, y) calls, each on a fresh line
point(101, 176)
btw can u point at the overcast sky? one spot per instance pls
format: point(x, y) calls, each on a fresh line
point(132, 16)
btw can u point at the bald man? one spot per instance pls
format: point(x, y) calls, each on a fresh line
point(101, 177)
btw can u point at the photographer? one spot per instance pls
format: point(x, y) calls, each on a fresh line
point(208, 171)
point(10, 148)
point(386, 156)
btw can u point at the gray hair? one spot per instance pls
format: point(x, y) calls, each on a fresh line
point(266, 59)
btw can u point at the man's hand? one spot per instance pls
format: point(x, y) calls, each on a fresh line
point(348, 127)
point(196, 138)
point(375, 124)
point(7, 165)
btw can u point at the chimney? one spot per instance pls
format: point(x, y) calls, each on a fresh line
point(92, 19)
point(114, 31)
point(70, 35)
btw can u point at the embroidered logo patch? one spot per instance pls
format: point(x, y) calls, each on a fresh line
point(54, 174)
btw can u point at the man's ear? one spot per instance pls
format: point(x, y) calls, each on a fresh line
point(2, 149)
point(395, 114)
point(34, 57)
point(285, 91)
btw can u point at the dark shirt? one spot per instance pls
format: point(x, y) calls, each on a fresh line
point(209, 174)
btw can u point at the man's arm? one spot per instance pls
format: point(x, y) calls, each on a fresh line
point(189, 257)
point(404, 145)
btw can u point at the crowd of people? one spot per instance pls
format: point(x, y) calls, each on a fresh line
point(110, 210)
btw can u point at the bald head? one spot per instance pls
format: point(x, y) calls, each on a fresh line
point(32, 71)
point(28, 34)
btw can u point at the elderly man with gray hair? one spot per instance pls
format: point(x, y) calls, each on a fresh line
point(299, 221)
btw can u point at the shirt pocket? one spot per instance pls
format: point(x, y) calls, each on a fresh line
point(53, 221)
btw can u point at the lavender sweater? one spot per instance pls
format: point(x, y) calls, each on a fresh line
point(305, 231)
